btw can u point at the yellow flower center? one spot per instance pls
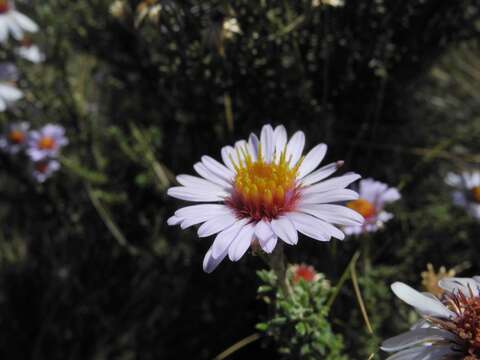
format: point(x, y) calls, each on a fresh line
point(363, 207)
point(476, 193)
point(16, 137)
point(4, 6)
point(46, 143)
point(261, 189)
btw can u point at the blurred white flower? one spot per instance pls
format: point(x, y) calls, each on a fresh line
point(46, 142)
point(231, 28)
point(15, 138)
point(373, 197)
point(43, 169)
point(334, 3)
point(14, 22)
point(467, 191)
point(263, 191)
point(451, 325)
point(30, 51)
point(8, 95)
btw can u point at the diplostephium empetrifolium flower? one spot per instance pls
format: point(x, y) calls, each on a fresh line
point(265, 190)
point(450, 328)
point(14, 22)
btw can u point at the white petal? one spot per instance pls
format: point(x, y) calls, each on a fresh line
point(10, 93)
point(241, 243)
point(263, 231)
point(227, 154)
point(464, 285)
point(390, 195)
point(196, 214)
point(269, 244)
point(210, 176)
point(334, 214)
point(280, 140)
point(253, 143)
point(183, 193)
point(338, 182)
point(425, 352)
point(416, 337)
point(321, 225)
point(3, 105)
point(15, 28)
point(329, 197)
point(25, 22)
point(217, 224)
point(3, 29)
point(322, 173)
point(454, 180)
point(285, 230)
point(419, 301)
point(268, 146)
point(210, 263)
point(199, 183)
point(174, 220)
point(295, 148)
point(312, 160)
point(226, 237)
point(307, 227)
point(217, 168)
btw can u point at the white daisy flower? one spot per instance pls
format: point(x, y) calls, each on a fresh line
point(467, 191)
point(9, 93)
point(231, 28)
point(373, 197)
point(13, 22)
point(15, 138)
point(30, 51)
point(451, 325)
point(43, 169)
point(264, 191)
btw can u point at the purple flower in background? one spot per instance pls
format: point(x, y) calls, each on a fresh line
point(13, 22)
point(15, 138)
point(374, 195)
point(43, 169)
point(46, 142)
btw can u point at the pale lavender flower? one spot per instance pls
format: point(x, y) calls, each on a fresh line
point(46, 142)
point(15, 138)
point(373, 197)
point(467, 191)
point(43, 169)
point(264, 191)
point(13, 22)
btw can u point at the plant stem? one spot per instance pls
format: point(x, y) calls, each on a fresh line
point(277, 263)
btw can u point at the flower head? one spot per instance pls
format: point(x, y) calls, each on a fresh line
point(15, 138)
point(264, 191)
point(13, 22)
point(231, 28)
point(303, 272)
point(373, 197)
point(333, 3)
point(451, 325)
point(46, 142)
point(43, 169)
point(30, 51)
point(467, 191)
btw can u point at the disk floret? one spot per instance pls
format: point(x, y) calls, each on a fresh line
point(263, 190)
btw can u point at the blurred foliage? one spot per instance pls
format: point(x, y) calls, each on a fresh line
point(88, 266)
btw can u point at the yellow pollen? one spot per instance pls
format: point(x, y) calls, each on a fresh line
point(263, 189)
point(16, 137)
point(476, 193)
point(46, 143)
point(363, 207)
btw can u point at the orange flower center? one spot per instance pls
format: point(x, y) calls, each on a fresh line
point(263, 190)
point(476, 193)
point(4, 6)
point(363, 207)
point(307, 273)
point(41, 167)
point(46, 143)
point(16, 137)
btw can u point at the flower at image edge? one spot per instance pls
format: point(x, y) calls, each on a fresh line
point(265, 190)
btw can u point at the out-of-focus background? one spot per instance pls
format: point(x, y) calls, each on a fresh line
point(88, 267)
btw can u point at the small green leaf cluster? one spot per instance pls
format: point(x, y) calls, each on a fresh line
point(298, 321)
